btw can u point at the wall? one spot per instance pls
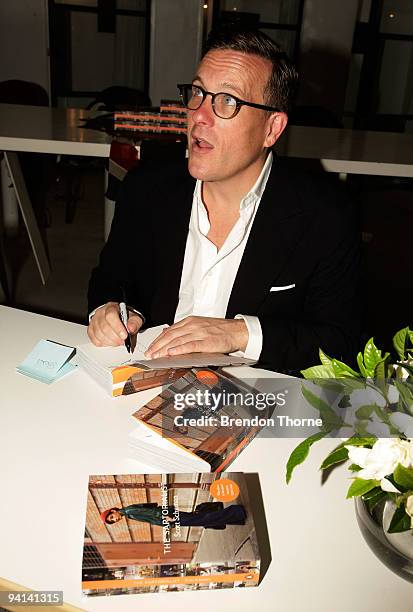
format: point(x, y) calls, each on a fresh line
point(176, 41)
point(24, 41)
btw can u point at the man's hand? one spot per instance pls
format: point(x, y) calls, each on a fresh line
point(200, 335)
point(106, 328)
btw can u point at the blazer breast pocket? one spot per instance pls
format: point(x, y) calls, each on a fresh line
point(282, 288)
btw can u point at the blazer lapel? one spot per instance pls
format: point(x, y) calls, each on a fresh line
point(172, 232)
point(278, 225)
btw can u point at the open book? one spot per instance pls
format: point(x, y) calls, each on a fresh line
point(122, 373)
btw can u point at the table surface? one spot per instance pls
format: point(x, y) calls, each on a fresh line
point(351, 151)
point(40, 129)
point(53, 437)
point(53, 130)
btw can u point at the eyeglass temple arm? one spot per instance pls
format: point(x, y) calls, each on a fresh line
point(262, 106)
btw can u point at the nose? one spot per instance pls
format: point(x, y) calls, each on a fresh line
point(204, 115)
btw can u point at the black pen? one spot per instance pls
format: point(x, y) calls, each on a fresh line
point(123, 311)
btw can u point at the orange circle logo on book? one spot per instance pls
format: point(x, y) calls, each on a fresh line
point(224, 489)
point(207, 377)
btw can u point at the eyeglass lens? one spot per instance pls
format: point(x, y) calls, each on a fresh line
point(224, 105)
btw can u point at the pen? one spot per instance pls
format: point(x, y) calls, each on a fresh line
point(124, 318)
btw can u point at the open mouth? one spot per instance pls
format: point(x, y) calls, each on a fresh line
point(201, 145)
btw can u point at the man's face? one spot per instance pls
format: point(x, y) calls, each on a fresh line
point(229, 149)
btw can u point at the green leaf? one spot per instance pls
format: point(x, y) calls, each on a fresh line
point(361, 441)
point(325, 359)
point(411, 336)
point(332, 384)
point(330, 419)
point(364, 412)
point(359, 486)
point(300, 453)
point(318, 371)
point(341, 369)
point(350, 384)
point(399, 342)
point(372, 355)
point(361, 428)
point(384, 417)
point(338, 455)
point(406, 395)
point(400, 522)
point(403, 477)
point(374, 497)
point(364, 372)
point(354, 467)
point(380, 368)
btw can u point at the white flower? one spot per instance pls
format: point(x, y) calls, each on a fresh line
point(388, 486)
point(382, 459)
point(409, 509)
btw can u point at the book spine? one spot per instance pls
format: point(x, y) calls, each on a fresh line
point(250, 578)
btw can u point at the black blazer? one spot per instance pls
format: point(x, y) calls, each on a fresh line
point(304, 234)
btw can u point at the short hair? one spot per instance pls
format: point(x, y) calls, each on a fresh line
point(281, 87)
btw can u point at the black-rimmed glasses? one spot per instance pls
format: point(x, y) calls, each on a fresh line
point(224, 105)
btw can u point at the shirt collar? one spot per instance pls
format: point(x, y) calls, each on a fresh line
point(255, 192)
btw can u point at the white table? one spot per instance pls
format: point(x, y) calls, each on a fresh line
point(53, 437)
point(351, 151)
point(38, 129)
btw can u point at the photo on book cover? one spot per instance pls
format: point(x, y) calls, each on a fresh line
point(147, 533)
point(206, 413)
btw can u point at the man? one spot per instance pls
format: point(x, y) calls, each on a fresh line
point(249, 257)
point(213, 517)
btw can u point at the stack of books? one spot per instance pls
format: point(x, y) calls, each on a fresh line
point(169, 118)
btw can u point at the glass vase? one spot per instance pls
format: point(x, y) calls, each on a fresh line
point(395, 550)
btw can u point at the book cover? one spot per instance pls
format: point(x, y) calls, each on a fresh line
point(147, 533)
point(206, 415)
point(121, 373)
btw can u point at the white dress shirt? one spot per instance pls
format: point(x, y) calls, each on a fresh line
point(208, 275)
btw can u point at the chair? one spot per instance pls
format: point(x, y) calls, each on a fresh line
point(23, 92)
point(116, 97)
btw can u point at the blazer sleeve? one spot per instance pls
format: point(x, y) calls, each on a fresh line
point(330, 318)
point(123, 250)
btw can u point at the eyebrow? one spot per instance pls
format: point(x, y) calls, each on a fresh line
point(225, 85)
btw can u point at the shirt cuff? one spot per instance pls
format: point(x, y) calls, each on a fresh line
point(254, 345)
point(128, 308)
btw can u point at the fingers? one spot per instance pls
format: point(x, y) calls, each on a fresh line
point(200, 335)
point(175, 331)
point(177, 345)
point(106, 328)
point(134, 323)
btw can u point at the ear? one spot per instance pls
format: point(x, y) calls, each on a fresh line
point(276, 124)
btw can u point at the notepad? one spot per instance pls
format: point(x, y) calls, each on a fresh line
point(48, 361)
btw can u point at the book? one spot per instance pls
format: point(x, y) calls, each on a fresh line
point(147, 533)
point(199, 422)
point(122, 373)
